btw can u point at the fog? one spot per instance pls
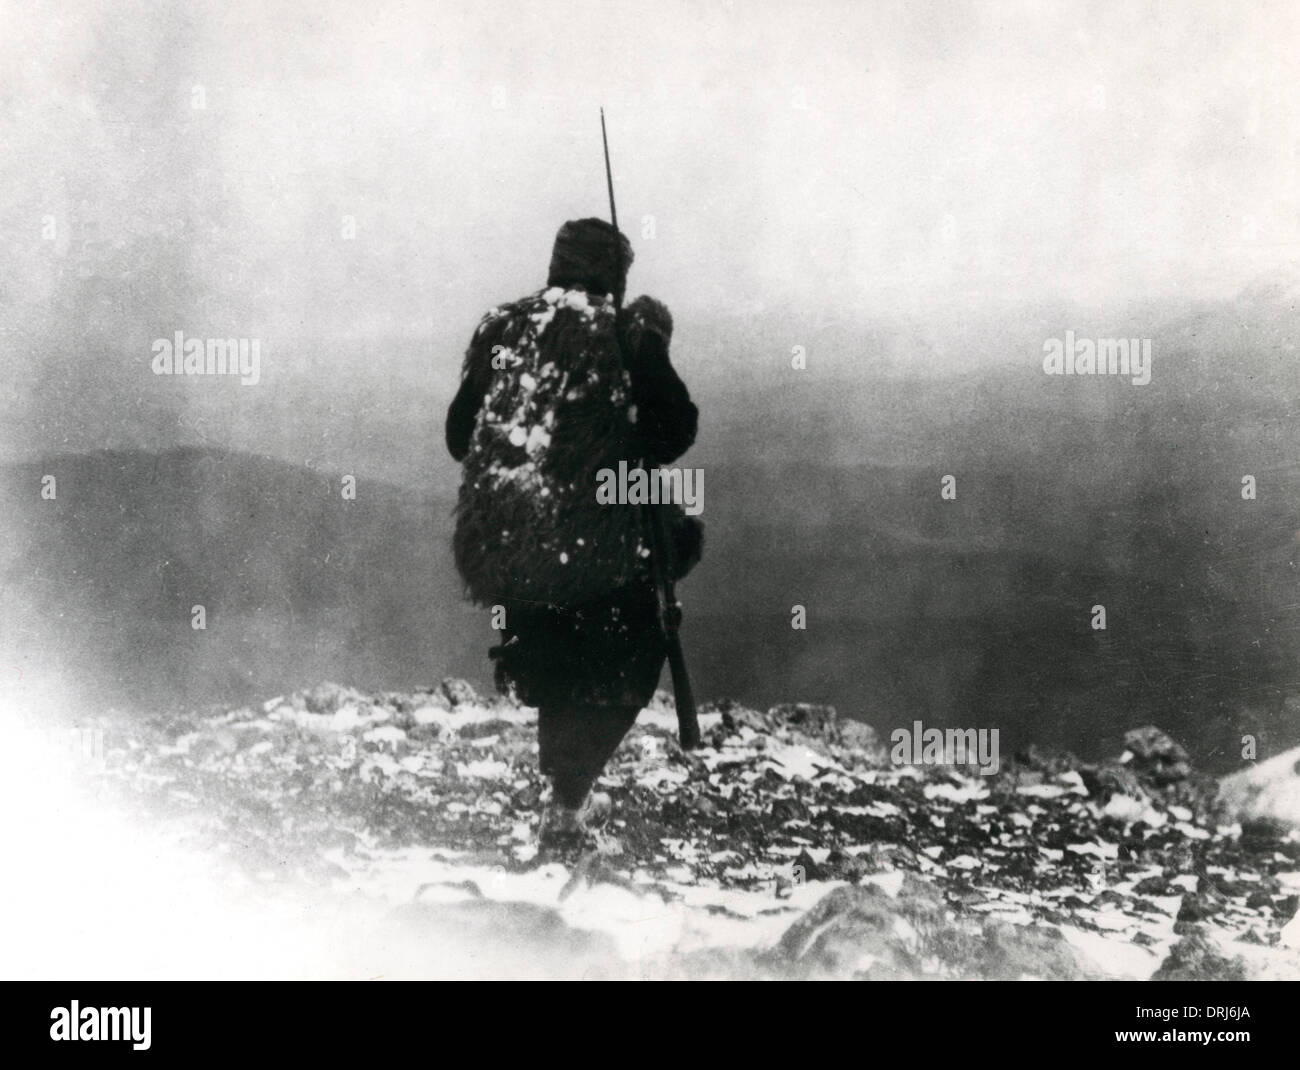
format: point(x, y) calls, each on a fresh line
point(932, 161)
point(919, 195)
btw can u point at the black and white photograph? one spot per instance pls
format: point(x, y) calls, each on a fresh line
point(651, 490)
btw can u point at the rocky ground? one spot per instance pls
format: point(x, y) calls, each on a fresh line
point(788, 846)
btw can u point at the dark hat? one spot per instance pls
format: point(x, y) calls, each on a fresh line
point(584, 258)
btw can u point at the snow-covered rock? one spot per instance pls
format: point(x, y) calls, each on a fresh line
point(788, 846)
point(1269, 791)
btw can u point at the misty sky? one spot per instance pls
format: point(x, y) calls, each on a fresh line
point(868, 159)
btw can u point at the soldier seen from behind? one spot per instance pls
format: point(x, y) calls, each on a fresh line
point(555, 388)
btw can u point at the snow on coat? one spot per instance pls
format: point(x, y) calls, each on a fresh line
point(554, 412)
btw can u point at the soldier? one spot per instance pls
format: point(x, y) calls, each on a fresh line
point(548, 399)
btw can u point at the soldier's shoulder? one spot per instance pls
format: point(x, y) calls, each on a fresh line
point(648, 314)
point(496, 315)
point(506, 311)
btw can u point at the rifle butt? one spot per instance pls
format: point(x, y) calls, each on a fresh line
point(688, 723)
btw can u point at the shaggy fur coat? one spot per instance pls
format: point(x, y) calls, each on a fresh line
point(542, 407)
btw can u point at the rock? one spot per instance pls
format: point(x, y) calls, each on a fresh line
point(1290, 935)
point(485, 938)
point(529, 797)
point(1267, 792)
point(1051, 763)
point(857, 736)
point(822, 729)
point(1015, 952)
point(1155, 757)
point(1126, 810)
point(404, 718)
point(1198, 907)
point(459, 692)
point(890, 856)
point(1196, 957)
point(924, 853)
point(401, 703)
point(1262, 834)
point(812, 720)
point(860, 932)
point(809, 868)
point(851, 868)
point(704, 806)
point(735, 716)
point(1226, 886)
point(1204, 955)
point(1110, 779)
point(326, 698)
point(787, 809)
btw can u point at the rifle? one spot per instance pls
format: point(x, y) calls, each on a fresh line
point(652, 517)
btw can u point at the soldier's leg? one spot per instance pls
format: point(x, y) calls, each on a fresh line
point(575, 742)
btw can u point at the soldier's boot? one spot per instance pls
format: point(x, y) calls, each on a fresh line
point(573, 826)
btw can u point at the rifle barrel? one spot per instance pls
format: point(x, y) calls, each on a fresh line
point(688, 725)
point(613, 214)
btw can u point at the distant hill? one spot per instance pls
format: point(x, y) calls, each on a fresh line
point(1071, 493)
point(295, 580)
point(821, 489)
